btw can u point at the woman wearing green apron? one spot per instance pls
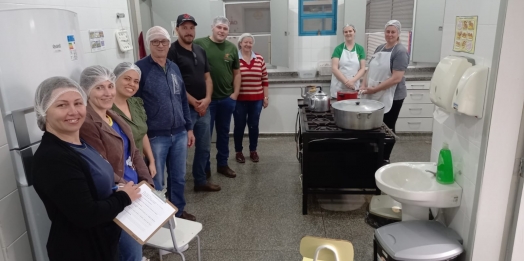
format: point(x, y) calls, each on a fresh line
point(385, 80)
point(348, 63)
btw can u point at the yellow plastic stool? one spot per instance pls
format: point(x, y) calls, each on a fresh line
point(325, 249)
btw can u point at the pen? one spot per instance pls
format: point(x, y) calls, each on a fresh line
point(117, 186)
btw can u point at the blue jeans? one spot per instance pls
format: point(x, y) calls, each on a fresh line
point(247, 112)
point(171, 152)
point(130, 249)
point(202, 145)
point(221, 111)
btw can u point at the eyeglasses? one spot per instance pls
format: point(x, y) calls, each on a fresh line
point(157, 42)
point(194, 56)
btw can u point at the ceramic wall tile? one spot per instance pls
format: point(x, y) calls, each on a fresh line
point(12, 224)
point(7, 173)
point(19, 250)
point(82, 3)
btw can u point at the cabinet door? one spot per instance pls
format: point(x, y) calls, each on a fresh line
point(427, 36)
point(279, 33)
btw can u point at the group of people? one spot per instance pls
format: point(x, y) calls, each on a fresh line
point(117, 128)
point(384, 79)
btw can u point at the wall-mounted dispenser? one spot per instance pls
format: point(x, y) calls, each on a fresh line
point(471, 90)
point(445, 79)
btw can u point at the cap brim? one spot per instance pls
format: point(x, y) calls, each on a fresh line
point(183, 21)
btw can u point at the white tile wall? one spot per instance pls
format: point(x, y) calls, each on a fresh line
point(92, 14)
point(464, 133)
point(12, 224)
point(7, 173)
point(306, 51)
point(18, 251)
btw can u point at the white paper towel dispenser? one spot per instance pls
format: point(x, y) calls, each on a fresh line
point(445, 79)
point(471, 90)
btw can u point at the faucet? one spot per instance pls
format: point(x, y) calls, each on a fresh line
point(432, 172)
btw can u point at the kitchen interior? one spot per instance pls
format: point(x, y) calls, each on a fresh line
point(318, 175)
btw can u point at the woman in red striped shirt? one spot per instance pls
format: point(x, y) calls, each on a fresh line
point(253, 96)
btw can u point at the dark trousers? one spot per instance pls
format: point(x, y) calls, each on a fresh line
point(390, 119)
point(247, 113)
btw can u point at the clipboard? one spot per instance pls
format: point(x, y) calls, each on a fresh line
point(132, 215)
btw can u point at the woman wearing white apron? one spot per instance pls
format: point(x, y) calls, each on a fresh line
point(385, 80)
point(348, 63)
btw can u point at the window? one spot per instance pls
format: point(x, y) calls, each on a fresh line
point(317, 17)
point(379, 12)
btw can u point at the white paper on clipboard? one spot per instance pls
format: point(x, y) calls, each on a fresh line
point(145, 215)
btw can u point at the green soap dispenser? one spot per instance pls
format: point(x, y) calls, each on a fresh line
point(445, 166)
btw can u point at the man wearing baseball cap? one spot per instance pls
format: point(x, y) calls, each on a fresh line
point(192, 61)
point(224, 65)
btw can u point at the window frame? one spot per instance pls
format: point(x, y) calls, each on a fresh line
point(302, 16)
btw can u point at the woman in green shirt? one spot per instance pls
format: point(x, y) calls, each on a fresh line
point(348, 63)
point(131, 109)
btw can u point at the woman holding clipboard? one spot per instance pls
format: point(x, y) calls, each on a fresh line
point(74, 182)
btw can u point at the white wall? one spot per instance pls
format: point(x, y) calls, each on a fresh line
point(464, 133)
point(306, 51)
point(92, 14)
point(495, 197)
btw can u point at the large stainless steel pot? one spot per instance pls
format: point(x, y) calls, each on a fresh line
point(358, 114)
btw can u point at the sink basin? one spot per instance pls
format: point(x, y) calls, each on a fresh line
point(412, 183)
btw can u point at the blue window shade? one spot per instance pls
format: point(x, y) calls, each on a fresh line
point(317, 16)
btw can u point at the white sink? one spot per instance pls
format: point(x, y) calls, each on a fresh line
point(414, 185)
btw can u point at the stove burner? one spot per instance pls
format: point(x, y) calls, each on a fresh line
point(320, 120)
point(325, 128)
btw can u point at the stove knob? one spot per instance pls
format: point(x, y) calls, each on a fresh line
point(358, 103)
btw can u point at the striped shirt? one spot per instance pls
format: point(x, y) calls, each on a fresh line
point(254, 78)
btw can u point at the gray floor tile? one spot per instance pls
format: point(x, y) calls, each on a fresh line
point(232, 255)
point(258, 214)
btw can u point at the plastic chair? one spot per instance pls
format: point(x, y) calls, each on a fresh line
point(337, 250)
point(176, 238)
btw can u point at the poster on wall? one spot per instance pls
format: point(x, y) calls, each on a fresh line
point(96, 40)
point(173, 28)
point(465, 34)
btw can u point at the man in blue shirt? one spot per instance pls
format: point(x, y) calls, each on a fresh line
point(168, 117)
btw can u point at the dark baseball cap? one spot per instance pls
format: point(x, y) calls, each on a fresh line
point(184, 18)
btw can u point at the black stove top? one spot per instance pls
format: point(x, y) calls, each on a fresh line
point(325, 122)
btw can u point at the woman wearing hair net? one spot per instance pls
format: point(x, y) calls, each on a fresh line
point(348, 63)
point(252, 98)
point(110, 135)
point(131, 109)
point(385, 80)
point(74, 182)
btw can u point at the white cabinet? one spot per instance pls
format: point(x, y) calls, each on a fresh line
point(416, 114)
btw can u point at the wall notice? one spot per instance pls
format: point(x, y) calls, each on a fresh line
point(96, 39)
point(465, 34)
point(72, 47)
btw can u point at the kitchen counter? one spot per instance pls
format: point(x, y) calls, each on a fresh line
point(292, 77)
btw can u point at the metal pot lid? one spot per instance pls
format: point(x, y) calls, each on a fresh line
point(358, 105)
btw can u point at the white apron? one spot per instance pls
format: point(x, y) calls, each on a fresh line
point(348, 65)
point(379, 70)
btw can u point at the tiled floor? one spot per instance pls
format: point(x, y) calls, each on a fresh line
point(257, 216)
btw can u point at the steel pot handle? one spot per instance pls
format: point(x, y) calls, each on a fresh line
point(311, 104)
point(368, 115)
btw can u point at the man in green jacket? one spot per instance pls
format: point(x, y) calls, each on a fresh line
point(224, 68)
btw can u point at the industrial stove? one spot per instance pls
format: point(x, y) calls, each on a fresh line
point(335, 160)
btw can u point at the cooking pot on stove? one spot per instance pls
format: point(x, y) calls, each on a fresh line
point(320, 101)
point(360, 114)
point(346, 95)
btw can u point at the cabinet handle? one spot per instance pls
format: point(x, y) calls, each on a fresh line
point(414, 122)
point(418, 85)
point(413, 109)
point(416, 94)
